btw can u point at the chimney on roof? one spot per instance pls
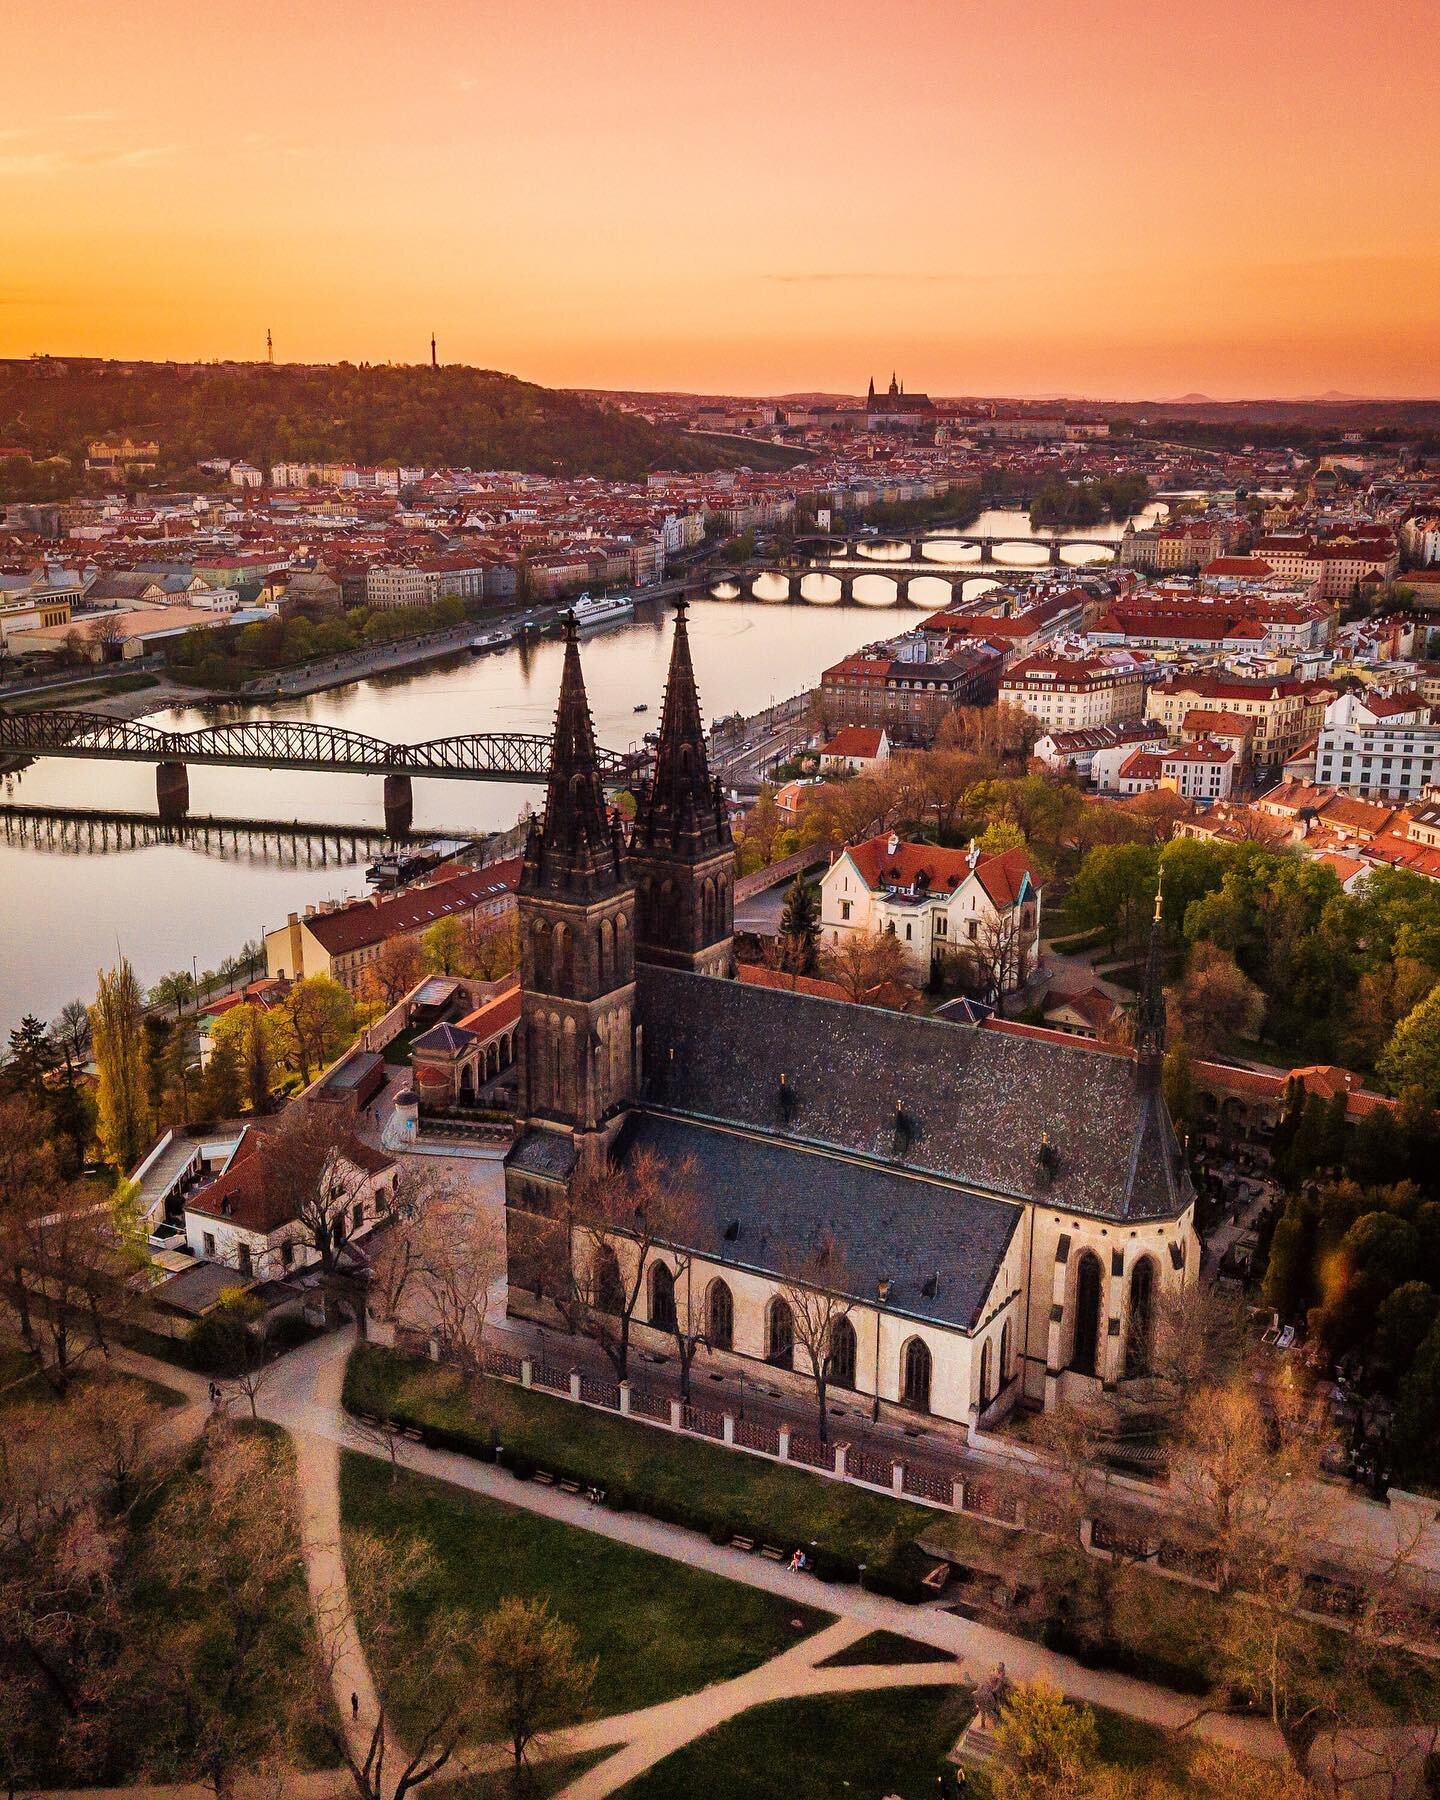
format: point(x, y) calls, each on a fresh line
point(892, 844)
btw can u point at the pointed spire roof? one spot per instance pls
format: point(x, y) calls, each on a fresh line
point(1150, 1014)
point(578, 852)
point(681, 810)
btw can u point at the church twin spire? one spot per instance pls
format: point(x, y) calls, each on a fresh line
point(681, 810)
point(579, 852)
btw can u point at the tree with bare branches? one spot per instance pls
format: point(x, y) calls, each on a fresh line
point(818, 1285)
point(397, 966)
point(999, 958)
point(225, 1549)
point(447, 1713)
point(310, 1171)
point(65, 1250)
point(620, 1217)
point(863, 961)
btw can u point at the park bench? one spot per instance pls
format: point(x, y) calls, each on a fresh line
point(570, 1487)
point(545, 1478)
point(738, 1542)
point(772, 1553)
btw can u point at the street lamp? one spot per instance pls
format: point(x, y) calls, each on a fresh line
point(883, 1292)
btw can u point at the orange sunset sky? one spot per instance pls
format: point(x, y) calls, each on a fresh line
point(1019, 197)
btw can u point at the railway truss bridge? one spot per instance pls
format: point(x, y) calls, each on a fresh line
point(291, 744)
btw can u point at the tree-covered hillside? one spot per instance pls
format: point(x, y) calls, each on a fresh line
point(459, 417)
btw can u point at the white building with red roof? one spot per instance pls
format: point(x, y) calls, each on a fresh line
point(854, 749)
point(248, 1223)
point(940, 904)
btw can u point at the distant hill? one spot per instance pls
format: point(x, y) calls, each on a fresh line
point(452, 416)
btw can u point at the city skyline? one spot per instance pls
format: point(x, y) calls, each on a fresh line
point(1136, 203)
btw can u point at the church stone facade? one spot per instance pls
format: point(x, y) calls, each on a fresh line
point(1009, 1206)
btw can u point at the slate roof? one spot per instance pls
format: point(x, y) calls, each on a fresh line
point(977, 1101)
point(903, 1228)
point(549, 1154)
point(444, 1040)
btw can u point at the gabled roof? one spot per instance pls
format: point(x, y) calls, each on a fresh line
point(976, 1101)
point(244, 1198)
point(780, 1198)
point(372, 921)
point(855, 740)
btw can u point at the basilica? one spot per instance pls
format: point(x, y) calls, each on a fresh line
point(1008, 1205)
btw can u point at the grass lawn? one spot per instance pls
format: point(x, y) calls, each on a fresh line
point(541, 1780)
point(657, 1628)
point(863, 1746)
point(21, 1384)
point(886, 1647)
point(672, 1476)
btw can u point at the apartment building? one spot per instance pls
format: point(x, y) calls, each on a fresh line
point(1287, 710)
point(1076, 693)
point(1378, 744)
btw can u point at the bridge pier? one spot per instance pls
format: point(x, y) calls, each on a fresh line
point(172, 791)
point(1055, 549)
point(399, 805)
point(847, 589)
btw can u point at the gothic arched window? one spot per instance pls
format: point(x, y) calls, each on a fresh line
point(1085, 1350)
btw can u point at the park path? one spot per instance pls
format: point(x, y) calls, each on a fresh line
point(317, 1475)
point(303, 1396)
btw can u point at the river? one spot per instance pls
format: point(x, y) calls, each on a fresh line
point(68, 913)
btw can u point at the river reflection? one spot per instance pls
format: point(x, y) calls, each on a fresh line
point(66, 914)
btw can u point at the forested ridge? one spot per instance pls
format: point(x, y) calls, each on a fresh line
point(370, 414)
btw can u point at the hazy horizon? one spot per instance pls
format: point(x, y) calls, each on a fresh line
point(1126, 201)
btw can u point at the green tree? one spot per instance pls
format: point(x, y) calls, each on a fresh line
point(251, 1032)
point(120, 1064)
point(175, 990)
point(156, 1038)
point(1377, 1152)
point(224, 1082)
point(1179, 1084)
point(800, 927)
point(1415, 1441)
point(1115, 887)
point(1046, 1749)
point(444, 946)
point(999, 835)
point(32, 1057)
point(320, 1018)
point(1412, 1057)
point(1193, 868)
point(531, 1675)
point(1288, 1272)
point(1402, 1324)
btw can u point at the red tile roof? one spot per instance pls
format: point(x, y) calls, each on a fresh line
point(855, 740)
point(372, 921)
